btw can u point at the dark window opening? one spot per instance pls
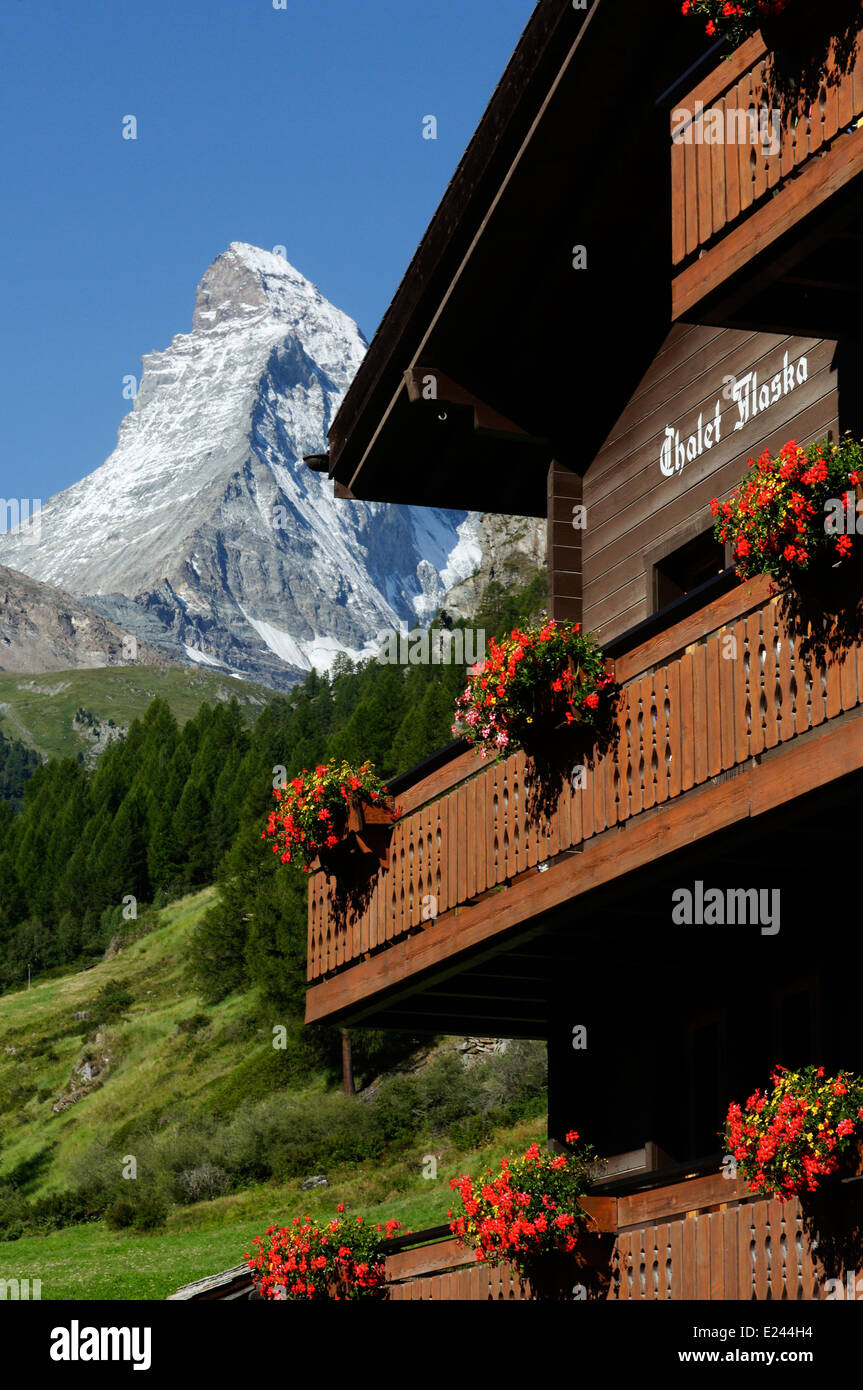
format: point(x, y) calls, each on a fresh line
point(707, 1085)
point(687, 567)
point(794, 1027)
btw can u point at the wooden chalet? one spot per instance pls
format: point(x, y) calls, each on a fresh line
point(718, 314)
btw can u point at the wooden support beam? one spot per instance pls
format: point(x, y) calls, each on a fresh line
point(457, 1025)
point(429, 384)
point(565, 525)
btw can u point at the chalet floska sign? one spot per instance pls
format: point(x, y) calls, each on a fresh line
point(751, 398)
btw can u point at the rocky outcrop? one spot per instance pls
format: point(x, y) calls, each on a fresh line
point(513, 550)
point(44, 629)
point(87, 1074)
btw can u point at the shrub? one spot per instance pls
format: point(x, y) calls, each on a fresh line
point(120, 1214)
point(14, 1210)
point(111, 1001)
point(193, 1024)
point(203, 1183)
point(151, 1212)
point(60, 1209)
point(517, 1077)
point(146, 1211)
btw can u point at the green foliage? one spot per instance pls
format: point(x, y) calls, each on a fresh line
point(170, 808)
point(111, 1002)
point(193, 1024)
point(17, 765)
point(145, 1212)
point(255, 1128)
point(14, 1212)
point(156, 815)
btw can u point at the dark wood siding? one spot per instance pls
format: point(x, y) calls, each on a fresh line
point(634, 512)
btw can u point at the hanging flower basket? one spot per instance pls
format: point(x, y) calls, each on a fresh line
point(851, 1160)
point(338, 818)
point(795, 516)
point(337, 1260)
point(805, 40)
point(737, 20)
point(535, 686)
point(529, 1216)
point(365, 837)
point(804, 1130)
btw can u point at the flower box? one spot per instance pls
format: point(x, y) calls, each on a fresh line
point(531, 1217)
point(795, 517)
point(546, 732)
point(802, 1136)
point(365, 844)
point(335, 1260)
point(806, 42)
point(536, 686)
point(558, 1276)
point(337, 817)
point(851, 1163)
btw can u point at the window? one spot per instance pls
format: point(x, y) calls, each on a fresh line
point(686, 568)
point(708, 1083)
point(795, 1025)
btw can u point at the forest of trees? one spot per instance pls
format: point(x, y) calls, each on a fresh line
point(17, 765)
point(170, 809)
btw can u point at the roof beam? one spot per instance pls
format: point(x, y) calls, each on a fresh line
point(429, 384)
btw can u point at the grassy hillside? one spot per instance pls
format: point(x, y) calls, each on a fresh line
point(91, 1262)
point(165, 1055)
point(41, 1043)
point(40, 710)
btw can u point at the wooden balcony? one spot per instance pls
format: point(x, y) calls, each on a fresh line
point(701, 1239)
point(749, 217)
point(720, 719)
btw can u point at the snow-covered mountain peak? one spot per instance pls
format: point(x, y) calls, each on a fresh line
point(204, 530)
point(245, 285)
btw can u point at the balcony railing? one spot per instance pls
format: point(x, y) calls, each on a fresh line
point(703, 699)
point(718, 183)
point(700, 1238)
point(704, 1238)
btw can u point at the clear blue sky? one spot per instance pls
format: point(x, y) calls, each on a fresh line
point(298, 127)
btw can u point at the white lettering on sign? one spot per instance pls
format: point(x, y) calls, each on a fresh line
point(751, 400)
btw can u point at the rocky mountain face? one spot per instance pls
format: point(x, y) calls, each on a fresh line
point(206, 536)
point(513, 549)
point(44, 629)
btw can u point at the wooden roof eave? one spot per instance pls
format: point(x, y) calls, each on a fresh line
point(465, 200)
point(366, 448)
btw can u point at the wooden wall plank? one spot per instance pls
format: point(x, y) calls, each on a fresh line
point(678, 204)
point(688, 1241)
point(717, 176)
